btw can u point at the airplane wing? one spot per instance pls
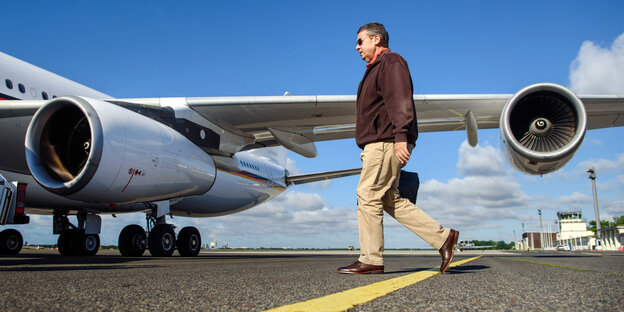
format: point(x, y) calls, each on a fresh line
point(320, 118)
point(226, 125)
point(330, 117)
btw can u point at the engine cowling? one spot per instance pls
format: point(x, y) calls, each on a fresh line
point(94, 151)
point(542, 126)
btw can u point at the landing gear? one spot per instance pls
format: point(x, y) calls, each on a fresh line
point(11, 242)
point(81, 240)
point(76, 243)
point(132, 241)
point(161, 240)
point(189, 242)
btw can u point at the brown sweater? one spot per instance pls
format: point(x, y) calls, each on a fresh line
point(385, 103)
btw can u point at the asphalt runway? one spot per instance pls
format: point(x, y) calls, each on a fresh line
point(252, 281)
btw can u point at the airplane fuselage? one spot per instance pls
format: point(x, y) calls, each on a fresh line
point(251, 177)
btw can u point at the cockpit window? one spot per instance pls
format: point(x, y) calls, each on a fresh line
point(21, 87)
point(44, 95)
point(8, 83)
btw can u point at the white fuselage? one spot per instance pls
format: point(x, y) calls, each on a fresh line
point(250, 178)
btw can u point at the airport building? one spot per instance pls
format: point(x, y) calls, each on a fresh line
point(612, 238)
point(573, 233)
point(537, 241)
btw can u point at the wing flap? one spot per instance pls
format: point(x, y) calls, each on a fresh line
point(321, 176)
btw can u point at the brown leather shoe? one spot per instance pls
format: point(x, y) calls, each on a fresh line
point(361, 268)
point(448, 250)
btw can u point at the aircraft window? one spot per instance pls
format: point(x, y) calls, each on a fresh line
point(54, 96)
point(9, 83)
point(44, 95)
point(21, 87)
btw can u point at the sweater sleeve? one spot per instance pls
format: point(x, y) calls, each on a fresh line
point(396, 88)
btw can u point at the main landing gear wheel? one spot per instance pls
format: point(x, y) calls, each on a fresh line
point(161, 240)
point(11, 242)
point(64, 243)
point(132, 241)
point(76, 243)
point(189, 242)
point(86, 244)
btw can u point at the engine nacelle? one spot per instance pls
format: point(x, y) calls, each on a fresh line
point(542, 126)
point(94, 151)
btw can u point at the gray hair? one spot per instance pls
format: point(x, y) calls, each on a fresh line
point(376, 29)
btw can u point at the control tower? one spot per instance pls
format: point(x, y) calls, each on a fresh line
point(573, 233)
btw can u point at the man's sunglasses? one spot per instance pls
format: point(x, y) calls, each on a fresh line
point(360, 41)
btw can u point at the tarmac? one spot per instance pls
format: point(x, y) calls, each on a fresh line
point(37, 280)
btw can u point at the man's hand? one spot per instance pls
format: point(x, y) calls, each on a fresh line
point(401, 152)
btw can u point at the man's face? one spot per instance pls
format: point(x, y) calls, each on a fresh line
point(366, 45)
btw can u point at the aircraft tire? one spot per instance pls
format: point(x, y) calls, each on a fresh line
point(189, 242)
point(85, 244)
point(161, 240)
point(132, 241)
point(11, 242)
point(64, 243)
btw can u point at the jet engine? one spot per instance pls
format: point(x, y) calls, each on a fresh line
point(95, 151)
point(542, 126)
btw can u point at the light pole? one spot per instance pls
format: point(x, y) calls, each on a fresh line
point(592, 176)
point(539, 212)
point(523, 236)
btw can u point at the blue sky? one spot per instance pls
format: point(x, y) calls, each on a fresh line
point(231, 48)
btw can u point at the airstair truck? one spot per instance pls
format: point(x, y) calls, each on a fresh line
point(12, 205)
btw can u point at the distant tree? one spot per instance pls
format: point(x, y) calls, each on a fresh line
point(619, 220)
point(603, 224)
point(496, 245)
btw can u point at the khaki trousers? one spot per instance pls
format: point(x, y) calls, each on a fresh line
point(378, 191)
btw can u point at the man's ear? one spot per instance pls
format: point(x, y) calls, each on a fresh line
point(377, 40)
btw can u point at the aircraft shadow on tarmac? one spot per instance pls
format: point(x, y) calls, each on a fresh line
point(54, 262)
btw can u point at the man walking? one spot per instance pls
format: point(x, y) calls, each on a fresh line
point(386, 129)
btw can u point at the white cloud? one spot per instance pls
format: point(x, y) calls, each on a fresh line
point(485, 194)
point(603, 165)
point(598, 69)
point(293, 219)
point(479, 161)
point(575, 202)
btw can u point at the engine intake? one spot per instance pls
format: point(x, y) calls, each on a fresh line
point(542, 126)
point(95, 151)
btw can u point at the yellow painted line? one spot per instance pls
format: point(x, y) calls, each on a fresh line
point(543, 263)
point(347, 299)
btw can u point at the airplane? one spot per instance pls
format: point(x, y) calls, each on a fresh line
point(468, 245)
point(81, 152)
